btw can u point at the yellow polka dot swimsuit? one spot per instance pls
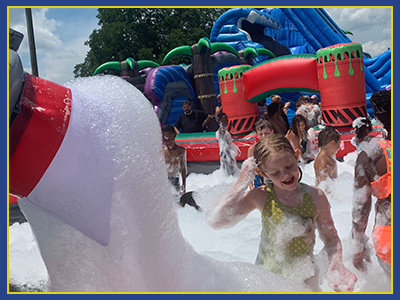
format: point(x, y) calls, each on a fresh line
point(287, 232)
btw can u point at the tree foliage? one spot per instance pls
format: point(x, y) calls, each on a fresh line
point(144, 34)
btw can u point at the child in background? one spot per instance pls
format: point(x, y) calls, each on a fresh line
point(175, 159)
point(308, 110)
point(262, 108)
point(291, 211)
point(325, 165)
point(227, 150)
point(363, 128)
point(218, 108)
point(373, 177)
point(283, 107)
point(274, 116)
point(262, 128)
point(297, 135)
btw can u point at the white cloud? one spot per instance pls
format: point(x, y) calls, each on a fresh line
point(375, 49)
point(387, 33)
point(360, 19)
point(45, 39)
point(56, 58)
point(371, 27)
point(59, 67)
point(44, 28)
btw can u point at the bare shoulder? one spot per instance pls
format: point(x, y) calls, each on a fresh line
point(362, 158)
point(290, 134)
point(319, 197)
point(256, 198)
point(259, 195)
point(324, 161)
point(319, 161)
point(181, 150)
point(165, 150)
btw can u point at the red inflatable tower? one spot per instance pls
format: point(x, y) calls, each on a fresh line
point(241, 114)
point(342, 84)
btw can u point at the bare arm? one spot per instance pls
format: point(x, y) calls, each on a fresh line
point(340, 279)
point(326, 227)
point(183, 171)
point(237, 203)
point(250, 153)
point(206, 121)
point(319, 175)
point(361, 209)
point(218, 109)
point(295, 142)
point(177, 130)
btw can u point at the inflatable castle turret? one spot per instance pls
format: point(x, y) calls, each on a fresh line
point(241, 114)
point(342, 84)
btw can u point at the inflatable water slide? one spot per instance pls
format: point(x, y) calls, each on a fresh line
point(299, 30)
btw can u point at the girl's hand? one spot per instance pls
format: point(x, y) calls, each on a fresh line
point(183, 189)
point(340, 279)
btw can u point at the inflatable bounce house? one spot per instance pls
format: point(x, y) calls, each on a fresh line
point(258, 53)
point(321, 60)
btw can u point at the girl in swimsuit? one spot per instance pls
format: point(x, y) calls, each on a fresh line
point(291, 211)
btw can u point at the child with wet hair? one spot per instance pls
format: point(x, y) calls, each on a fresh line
point(262, 128)
point(227, 149)
point(175, 159)
point(325, 165)
point(291, 211)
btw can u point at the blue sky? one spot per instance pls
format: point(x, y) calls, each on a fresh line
point(60, 34)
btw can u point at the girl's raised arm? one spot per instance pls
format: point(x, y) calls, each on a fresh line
point(237, 203)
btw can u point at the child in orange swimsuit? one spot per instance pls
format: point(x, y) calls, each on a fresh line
point(291, 211)
point(373, 177)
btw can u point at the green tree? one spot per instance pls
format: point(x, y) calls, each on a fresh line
point(144, 34)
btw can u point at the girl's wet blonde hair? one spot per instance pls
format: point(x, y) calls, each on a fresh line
point(270, 145)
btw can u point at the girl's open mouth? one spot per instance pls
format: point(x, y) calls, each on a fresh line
point(289, 181)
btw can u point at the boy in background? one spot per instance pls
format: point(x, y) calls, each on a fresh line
point(175, 159)
point(325, 165)
point(262, 128)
